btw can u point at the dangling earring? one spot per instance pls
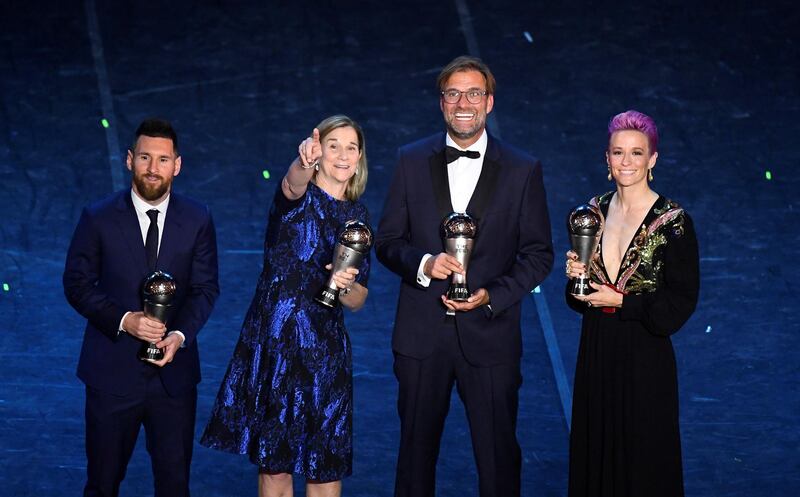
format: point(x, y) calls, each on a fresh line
point(356, 173)
point(650, 174)
point(609, 173)
point(316, 166)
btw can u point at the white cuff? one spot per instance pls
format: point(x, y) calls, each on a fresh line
point(422, 279)
point(120, 329)
point(183, 337)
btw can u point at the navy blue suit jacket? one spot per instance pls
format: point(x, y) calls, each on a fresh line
point(512, 252)
point(103, 275)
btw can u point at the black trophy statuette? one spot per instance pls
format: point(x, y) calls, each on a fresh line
point(458, 231)
point(352, 245)
point(585, 225)
point(158, 292)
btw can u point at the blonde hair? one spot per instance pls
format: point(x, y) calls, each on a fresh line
point(358, 183)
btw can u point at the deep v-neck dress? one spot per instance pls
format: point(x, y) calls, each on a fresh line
point(625, 440)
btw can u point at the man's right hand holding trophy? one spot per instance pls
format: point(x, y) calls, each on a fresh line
point(458, 232)
point(150, 324)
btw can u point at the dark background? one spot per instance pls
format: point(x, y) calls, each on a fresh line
point(245, 82)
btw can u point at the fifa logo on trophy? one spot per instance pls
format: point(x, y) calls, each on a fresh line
point(585, 226)
point(158, 292)
point(352, 245)
point(458, 231)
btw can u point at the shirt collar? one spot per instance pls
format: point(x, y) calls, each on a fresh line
point(478, 146)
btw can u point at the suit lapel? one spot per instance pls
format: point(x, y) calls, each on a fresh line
point(484, 189)
point(439, 181)
point(487, 181)
point(171, 236)
point(131, 232)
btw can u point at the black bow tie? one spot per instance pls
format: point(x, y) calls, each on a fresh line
point(452, 153)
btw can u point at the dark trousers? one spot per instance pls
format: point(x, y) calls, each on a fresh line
point(490, 396)
point(112, 426)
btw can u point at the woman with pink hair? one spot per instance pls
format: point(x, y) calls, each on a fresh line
point(625, 439)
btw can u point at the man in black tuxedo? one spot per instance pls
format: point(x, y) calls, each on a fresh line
point(117, 242)
point(476, 344)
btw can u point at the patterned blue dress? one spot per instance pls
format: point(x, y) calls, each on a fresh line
point(287, 397)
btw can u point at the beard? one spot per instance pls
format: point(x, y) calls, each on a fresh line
point(465, 134)
point(150, 191)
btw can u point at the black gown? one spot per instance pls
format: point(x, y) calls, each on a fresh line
point(625, 440)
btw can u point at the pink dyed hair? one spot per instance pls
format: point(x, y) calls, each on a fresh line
point(635, 120)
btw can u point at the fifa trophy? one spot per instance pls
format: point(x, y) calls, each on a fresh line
point(158, 292)
point(458, 231)
point(585, 225)
point(352, 245)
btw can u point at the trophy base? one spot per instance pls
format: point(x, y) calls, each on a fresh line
point(580, 286)
point(458, 292)
point(151, 353)
point(328, 297)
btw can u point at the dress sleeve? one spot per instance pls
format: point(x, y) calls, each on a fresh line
point(283, 204)
point(665, 310)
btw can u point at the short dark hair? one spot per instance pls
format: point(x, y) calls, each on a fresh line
point(466, 63)
point(156, 128)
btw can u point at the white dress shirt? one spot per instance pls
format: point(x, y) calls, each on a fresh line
point(462, 176)
point(141, 207)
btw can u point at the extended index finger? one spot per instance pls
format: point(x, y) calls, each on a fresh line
point(315, 135)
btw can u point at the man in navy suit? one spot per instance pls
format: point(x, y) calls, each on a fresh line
point(475, 344)
point(118, 241)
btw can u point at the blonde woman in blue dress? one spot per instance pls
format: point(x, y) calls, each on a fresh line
point(286, 400)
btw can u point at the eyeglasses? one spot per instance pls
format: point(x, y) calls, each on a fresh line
point(473, 96)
